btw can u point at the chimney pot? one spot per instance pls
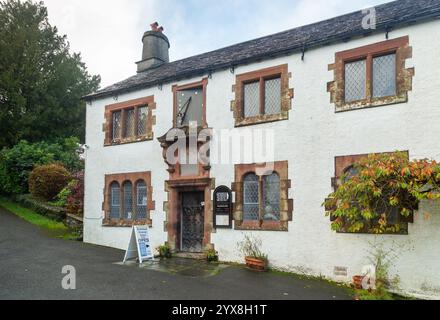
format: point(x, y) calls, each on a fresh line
point(155, 48)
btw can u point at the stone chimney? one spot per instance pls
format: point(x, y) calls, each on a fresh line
point(155, 50)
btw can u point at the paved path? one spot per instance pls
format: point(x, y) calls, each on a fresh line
point(31, 263)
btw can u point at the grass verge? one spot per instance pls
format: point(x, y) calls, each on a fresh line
point(54, 228)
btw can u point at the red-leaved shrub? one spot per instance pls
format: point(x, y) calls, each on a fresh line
point(75, 200)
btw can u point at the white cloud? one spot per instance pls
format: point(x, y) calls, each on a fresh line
point(108, 32)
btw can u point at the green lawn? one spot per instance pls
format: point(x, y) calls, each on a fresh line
point(54, 227)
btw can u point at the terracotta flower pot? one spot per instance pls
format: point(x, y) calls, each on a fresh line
point(357, 282)
point(256, 264)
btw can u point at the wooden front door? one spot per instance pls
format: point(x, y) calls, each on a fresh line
point(192, 221)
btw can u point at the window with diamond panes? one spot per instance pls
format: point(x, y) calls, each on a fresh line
point(356, 80)
point(251, 99)
point(115, 194)
point(129, 123)
point(142, 121)
point(272, 97)
point(128, 200)
point(271, 197)
point(117, 124)
point(384, 76)
point(251, 197)
point(141, 200)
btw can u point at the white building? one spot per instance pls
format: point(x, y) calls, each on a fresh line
point(329, 92)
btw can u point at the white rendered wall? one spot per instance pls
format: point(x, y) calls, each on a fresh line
point(309, 140)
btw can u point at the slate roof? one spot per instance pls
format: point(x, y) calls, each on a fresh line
point(389, 16)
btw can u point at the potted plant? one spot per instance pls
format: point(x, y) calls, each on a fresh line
point(164, 251)
point(211, 255)
point(255, 259)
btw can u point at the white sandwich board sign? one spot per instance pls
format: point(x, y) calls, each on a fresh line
point(139, 245)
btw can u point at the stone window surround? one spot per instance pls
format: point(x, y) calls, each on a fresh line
point(344, 162)
point(121, 178)
point(286, 204)
point(260, 75)
point(131, 104)
point(336, 88)
point(194, 85)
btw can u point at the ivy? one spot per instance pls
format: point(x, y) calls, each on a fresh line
point(381, 185)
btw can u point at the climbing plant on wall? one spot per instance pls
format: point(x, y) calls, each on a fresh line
point(377, 188)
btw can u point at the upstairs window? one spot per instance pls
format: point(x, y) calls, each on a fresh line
point(190, 104)
point(130, 121)
point(262, 96)
point(142, 121)
point(372, 76)
point(117, 125)
point(384, 76)
point(356, 80)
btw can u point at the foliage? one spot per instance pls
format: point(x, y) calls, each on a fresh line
point(250, 247)
point(75, 198)
point(46, 181)
point(211, 255)
point(382, 184)
point(382, 257)
point(41, 82)
point(61, 198)
point(164, 251)
point(32, 217)
point(17, 162)
point(41, 207)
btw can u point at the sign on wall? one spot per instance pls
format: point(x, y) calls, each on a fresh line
point(139, 245)
point(223, 208)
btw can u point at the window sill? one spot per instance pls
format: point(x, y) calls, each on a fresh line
point(107, 223)
point(262, 119)
point(378, 102)
point(129, 141)
point(262, 225)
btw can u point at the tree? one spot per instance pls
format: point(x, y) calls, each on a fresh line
point(41, 82)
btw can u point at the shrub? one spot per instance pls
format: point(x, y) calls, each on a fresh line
point(164, 251)
point(45, 182)
point(75, 195)
point(383, 183)
point(17, 162)
point(211, 255)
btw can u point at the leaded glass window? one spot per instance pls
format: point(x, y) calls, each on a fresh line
point(115, 194)
point(129, 123)
point(142, 121)
point(384, 76)
point(251, 99)
point(272, 102)
point(251, 197)
point(141, 200)
point(128, 200)
point(117, 124)
point(349, 173)
point(271, 197)
point(356, 80)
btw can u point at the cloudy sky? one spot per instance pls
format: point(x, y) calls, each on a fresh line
point(108, 32)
